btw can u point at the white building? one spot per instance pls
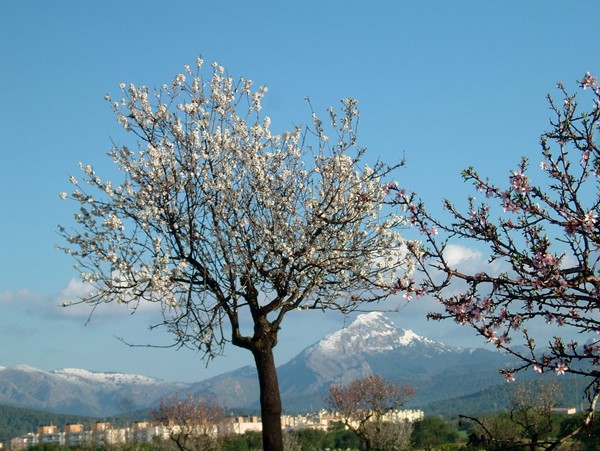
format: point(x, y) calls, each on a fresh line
point(102, 433)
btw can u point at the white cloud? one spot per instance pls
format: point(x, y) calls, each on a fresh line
point(456, 254)
point(472, 261)
point(74, 291)
point(18, 296)
point(70, 304)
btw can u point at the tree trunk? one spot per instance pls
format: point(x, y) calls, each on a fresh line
point(270, 399)
point(533, 444)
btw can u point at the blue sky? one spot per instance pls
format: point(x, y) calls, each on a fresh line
point(445, 84)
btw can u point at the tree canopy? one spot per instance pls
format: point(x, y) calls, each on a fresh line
point(363, 405)
point(221, 222)
point(543, 240)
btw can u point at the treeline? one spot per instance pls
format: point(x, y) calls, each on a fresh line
point(430, 433)
point(336, 437)
point(496, 399)
point(16, 421)
point(519, 414)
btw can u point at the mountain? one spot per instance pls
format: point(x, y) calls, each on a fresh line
point(371, 344)
point(17, 421)
point(496, 398)
point(81, 392)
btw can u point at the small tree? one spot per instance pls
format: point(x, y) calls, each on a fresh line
point(221, 222)
point(588, 439)
point(431, 432)
point(196, 423)
point(248, 441)
point(363, 405)
point(497, 433)
point(529, 422)
point(544, 237)
point(531, 405)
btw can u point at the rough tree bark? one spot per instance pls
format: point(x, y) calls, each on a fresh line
point(270, 398)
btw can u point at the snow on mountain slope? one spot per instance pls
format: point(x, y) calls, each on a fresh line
point(28, 369)
point(371, 332)
point(77, 375)
point(82, 392)
point(371, 344)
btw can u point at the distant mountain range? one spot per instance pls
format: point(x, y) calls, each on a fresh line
point(370, 344)
point(81, 392)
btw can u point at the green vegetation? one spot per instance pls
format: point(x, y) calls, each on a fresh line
point(306, 439)
point(432, 433)
point(495, 399)
point(589, 439)
point(122, 447)
point(15, 421)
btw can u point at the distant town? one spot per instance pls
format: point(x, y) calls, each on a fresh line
point(102, 433)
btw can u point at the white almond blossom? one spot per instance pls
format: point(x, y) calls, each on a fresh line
point(216, 214)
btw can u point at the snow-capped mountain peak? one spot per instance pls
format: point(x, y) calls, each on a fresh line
point(75, 374)
point(371, 344)
point(370, 332)
point(369, 318)
point(410, 337)
point(82, 392)
point(28, 368)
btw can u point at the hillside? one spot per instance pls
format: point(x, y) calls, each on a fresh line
point(15, 421)
point(496, 399)
point(371, 344)
point(81, 392)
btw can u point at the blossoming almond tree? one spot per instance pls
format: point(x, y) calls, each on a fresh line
point(194, 422)
point(221, 222)
point(363, 405)
point(547, 238)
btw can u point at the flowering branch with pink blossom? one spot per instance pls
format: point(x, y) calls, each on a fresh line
point(545, 236)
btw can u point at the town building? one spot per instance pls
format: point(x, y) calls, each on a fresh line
point(102, 433)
